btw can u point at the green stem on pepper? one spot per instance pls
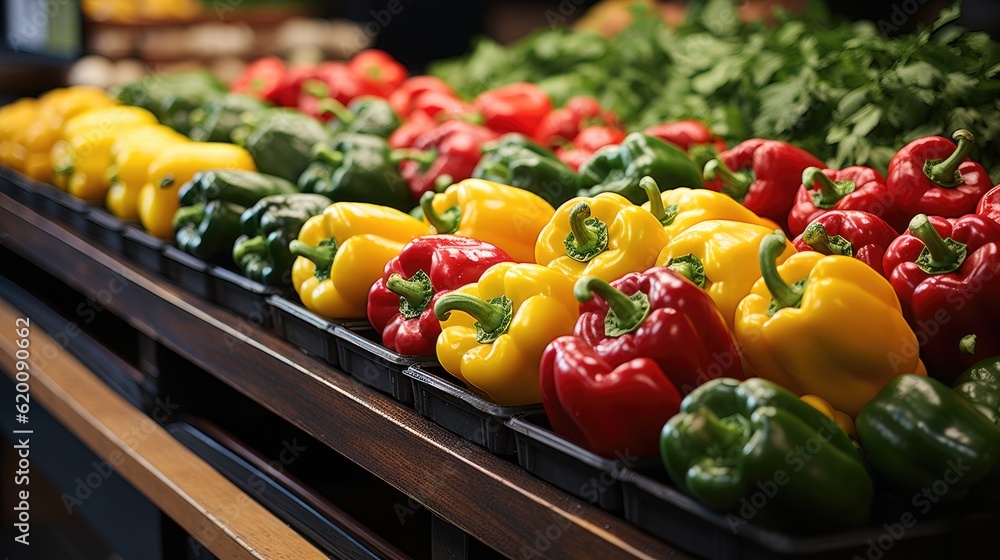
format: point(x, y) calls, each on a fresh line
point(690, 267)
point(588, 237)
point(816, 237)
point(665, 215)
point(782, 295)
point(625, 313)
point(492, 317)
point(944, 172)
point(940, 255)
point(446, 222)
point(735, 184)
point(322, 255)
point(829, 192)
point(414, 294)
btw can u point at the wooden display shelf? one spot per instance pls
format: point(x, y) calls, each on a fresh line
point(489, 498)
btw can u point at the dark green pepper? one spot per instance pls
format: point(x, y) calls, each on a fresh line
point(364, 115)
point(173, 97)
point(980, 385)
point(517, 161)
point(924, 437)
point(268, 227)
point(281, 141)
point(357, 168)
point(217, 121)
point(208, 220)
point(618, 169)
point(757, 450)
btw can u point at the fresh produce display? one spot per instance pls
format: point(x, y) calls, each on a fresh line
point(517, 161)
point(364, 115)
point(173, 98)
point(449, 152)
point(134, 149)
point(980, 385)
point(679, 209)
point(281, 141)
point(851, 233)
point(852, 188)
point(356, 168)
point(217, 121)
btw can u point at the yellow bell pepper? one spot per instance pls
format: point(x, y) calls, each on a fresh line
point(838, 417)
point(14, 119)
point(722, 257)
point(343, 251)
point(131, 155)
point(824, 325)
point(175, 165)
point(680, 208)
point(495, 344)
point(505, 216)
point(56, 108)
point(605, 236)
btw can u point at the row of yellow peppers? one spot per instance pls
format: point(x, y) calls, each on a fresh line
point(81, 141)
point(844, 342)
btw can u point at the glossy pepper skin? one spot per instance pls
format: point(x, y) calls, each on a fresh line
point(356, 168)
point(507, 318)
point(131, 155)
point(378, 70)
point(402, 99)
point(732, 438)
point(451, 149)
point(918, 431)
point(763, 175)
point(343, 251)
point(682, 208)
point(505, 216)
point(401, 303)
point(852, 188)
point(262, 79)
point(208, 221)
point(173, 98)
point(980, 385)
point(518, 107)
point(851, 233)
point(217, 120)
point(364, 115)
point(604, 236)
point(519, 162)
point(803, 317)
point(989, 205)
point(946, 273)
point(646, 339)
point(174, 166)
point(563, 125)
point(618, 169)
point(281, 141)
point(692, 136)
point(268, 227)
point(932, 175)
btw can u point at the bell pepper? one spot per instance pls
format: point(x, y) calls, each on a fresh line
point(417, 124)
point(518, 107)
point(506, 320)
point(588, 141)
point(401, 303)
point(980, 385)
point(208, 221)
point(517, 161)
point(444, 106)
point(763, 175)
point(133, 151)
point(648, 338)
point(931, 175)
point(563, 125)
point(852, 188)
point(281, 141)
point(263, 79)
point(356, 168)
point(945, 272)
point(505, 216)
point(451, 149)
point(680, 208)
point(402, 99)
point(921, 435)
point(618, 169)
point(378, 70)
point(851, 233)
point(692, 136)
point(989, 205)
point(174, 166)
point(733, 442)
point(331, 80)
point(268, 227)
point(14, 119)
point(343, 251)
point(803, 318)
point(721, 257)
point(216, 121)
point(173, 97)
point(291, 84)
point(605, 236)
point(843, 421)
point(364, 115)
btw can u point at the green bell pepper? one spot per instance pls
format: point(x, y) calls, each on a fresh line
point(172, 97)
point(357, 168)
point(517, 161)
point(980, 385)
point(925, 438)
point(268, 227)
point(757, 450)
point(208, 220)
point(217, 120)
point(364, 115)
point(618, 169)
point(280, 141)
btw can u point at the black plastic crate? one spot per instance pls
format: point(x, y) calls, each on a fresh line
point(364, 358)
point(106, 230)
point(191, 273)
point(19, 188)
point(243, 296)
point(305, 329)
point(463, 412)
point(144, 249)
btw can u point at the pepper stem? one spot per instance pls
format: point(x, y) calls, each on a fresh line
point(442, 183)
point(734, 184)
point(442, 223)
point(968, 344)
point(690, 267)
point(782, 295)
point(588, 238)
point(327, 154)
point(414, 294)
point(400, 155)
point(250, 245)
point(492, 317)
point(185, 215)
point(665, 215)
point(322, 255)
point(331, 105)
point(497, 170)
point(816, 237)
point(829, 192)
point(944, 172)
point(939, 255)
point(625, 313)
point(714, 431)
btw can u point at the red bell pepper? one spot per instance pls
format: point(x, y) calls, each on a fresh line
point(573, 157)
point(378, 70)
point(417, 124)
point(452, 148)
point(442, 106)
point(932, 175)
point(852, 233)
point(401, 303)
point(562, 125)
point(518, 107)
point(402, 99)
point(852, 188)
point(687, 134)
point(262, 79)
point(762, 174)
point(989, 205)
point(333, 80)
point(588, 141)
point(649, 338)
point(946, 272)
point(291, 86)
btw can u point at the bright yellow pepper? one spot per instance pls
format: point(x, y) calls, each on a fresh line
point(681, 208)
point(56, 108)
point(175, 165)
point(14, 119)
point(722, 257)
point(343, 251)
point(495, 344)
point(505, 216)
point(605, 236)
point(824, 325)
point(131, 155)
point(838, 417)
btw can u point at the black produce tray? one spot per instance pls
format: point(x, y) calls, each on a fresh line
point(243, 296)
point(658, 508)
point(375, 365)
point(188, 271)
point(144, 249)
point(18, 187)
point(307, 330)
point(463, 412)
point(58, 205)
point(106, 230)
